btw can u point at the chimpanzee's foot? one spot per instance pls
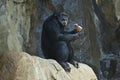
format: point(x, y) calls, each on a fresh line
point(75, 63)
point(65, 66)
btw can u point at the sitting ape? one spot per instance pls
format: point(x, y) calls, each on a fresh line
point(56, 42)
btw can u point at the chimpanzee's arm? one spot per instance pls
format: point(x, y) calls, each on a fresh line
point(68, 37)
point(71, 32)
point(55, 33)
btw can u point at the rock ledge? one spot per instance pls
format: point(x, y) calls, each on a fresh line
point(22, 66)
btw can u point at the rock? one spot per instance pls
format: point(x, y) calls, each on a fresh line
point(110, 65)
point(14, 25)
point(117, 8)
point(22, 66)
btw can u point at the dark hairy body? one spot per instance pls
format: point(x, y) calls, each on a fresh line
point(56, 42)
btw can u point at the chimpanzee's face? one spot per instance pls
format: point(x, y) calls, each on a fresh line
point(63, 18)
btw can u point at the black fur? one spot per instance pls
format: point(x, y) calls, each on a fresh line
point(56, 42)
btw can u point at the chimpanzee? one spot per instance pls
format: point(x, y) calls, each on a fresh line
point(55, 41)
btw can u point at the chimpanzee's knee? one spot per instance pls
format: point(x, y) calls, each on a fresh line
point(61, 51)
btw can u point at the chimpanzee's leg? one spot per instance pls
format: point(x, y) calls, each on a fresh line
point(71, 56)
point(62, 54)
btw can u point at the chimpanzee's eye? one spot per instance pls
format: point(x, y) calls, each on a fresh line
point(63, 19)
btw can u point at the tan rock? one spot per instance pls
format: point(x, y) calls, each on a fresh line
point(22, 66)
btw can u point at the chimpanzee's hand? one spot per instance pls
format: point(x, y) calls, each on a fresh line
point(78, 28)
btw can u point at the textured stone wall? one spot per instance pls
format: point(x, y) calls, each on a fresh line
point(117, 9)
point(3, 26)
point(108, 28)
point(14, 24)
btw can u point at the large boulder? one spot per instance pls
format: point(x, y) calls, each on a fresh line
point(22, 66)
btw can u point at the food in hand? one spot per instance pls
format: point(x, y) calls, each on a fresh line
point(77, 27)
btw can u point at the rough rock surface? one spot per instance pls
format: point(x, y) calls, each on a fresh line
point(14, 25)
point(22, 66)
